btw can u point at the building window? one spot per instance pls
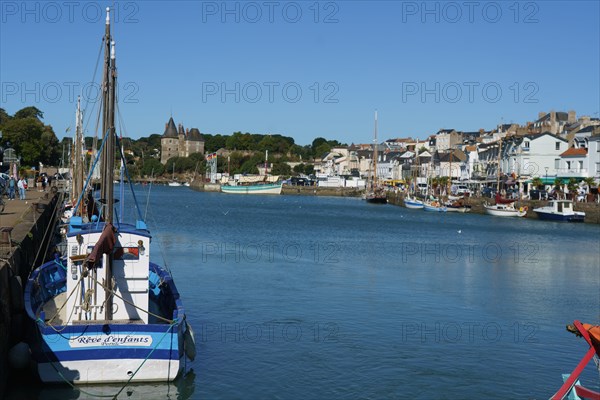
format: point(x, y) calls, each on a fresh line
point(557, 145)
point(598, 167)
point(526, 145)
point(556, 163)
point(568, 164)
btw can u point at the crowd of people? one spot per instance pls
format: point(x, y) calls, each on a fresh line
point(14, 186)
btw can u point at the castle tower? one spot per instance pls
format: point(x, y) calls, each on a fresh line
point(169, 142)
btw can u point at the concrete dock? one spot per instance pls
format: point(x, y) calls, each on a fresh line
point(24, 235)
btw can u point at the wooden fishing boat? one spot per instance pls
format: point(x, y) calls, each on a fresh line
point(103, 311)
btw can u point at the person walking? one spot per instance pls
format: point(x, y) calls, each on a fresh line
point(21, 185)
point(12, 185)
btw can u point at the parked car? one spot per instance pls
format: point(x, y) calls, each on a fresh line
point(422, 188)
point(296, 181)
point(462, 190)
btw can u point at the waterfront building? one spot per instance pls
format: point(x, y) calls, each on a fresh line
point(582, 160)
point(447, 139)
point(532, 155)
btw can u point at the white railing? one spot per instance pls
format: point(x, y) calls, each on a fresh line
point(577, 171)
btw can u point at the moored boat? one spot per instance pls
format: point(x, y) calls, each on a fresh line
point(453, 207)
point(434, 205)
point(267, 188)
point(103, 312)
point(413, 203)
point(559, 210)
point(505, 210)
point(572, 388)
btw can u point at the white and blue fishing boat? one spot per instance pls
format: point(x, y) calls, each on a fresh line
point(434, 205)
point(103, 312)
point(266, 188)
point(413, 203)
point(560, 210)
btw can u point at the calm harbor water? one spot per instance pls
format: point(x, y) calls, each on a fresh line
point(316, 297)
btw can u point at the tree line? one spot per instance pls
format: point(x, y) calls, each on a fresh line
point(36, 142)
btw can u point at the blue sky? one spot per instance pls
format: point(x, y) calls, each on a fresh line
point(306, 69)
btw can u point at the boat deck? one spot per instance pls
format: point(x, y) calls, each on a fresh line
point(57, 316)
point(52, 309)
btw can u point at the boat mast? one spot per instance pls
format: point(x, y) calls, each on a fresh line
point(498, 169)
point(107, 188)
point(105, 107)
point(78, 155)
point(375, 155)
point(266, 161)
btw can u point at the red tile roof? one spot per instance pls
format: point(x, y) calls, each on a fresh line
point(573, 152)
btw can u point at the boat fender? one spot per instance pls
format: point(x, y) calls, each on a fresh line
point(19, 356)
point(189, 342)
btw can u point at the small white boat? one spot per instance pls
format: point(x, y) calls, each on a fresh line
point(505, 210)
point(413, 203)
point(452, 207)
point(560, 210)
point(434, 206)
point(173, 183)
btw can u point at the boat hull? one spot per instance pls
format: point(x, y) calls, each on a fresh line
point(252, 189)
point(504, 211)
point(101, 359)
point(87, 352)
point(459, 209)
point(549, 216)
point(377, 200)
point(432, 208)
point(413, 204)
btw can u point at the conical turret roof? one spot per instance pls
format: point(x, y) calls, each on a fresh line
point(195, 135)
point(170, 130)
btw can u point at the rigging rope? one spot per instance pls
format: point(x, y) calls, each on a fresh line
point(114, 293)
point(50, 226)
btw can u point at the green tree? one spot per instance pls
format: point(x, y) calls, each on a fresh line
point(213, 143)
point(4, 116)
point(249, 166)
point(51, 149)
point(25, 137)
point(151, 167)
point(558, 184)
point(29, 112)
point(281, 168)
point(590, 182)
point(299, 169)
